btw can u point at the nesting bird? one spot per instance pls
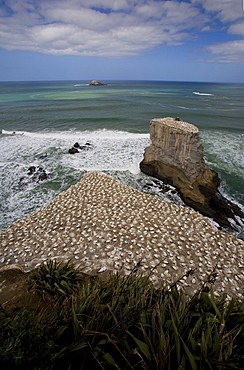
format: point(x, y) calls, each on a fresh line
point(103, 225)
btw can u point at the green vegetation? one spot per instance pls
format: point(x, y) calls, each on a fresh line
point(119, 323)
point(55, 280)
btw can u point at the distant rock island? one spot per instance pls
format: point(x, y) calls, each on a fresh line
point(96, 83)
point(176, 157)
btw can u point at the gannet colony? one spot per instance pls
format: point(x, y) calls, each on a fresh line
point(103, 225)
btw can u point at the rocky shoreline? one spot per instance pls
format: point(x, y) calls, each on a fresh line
point(103, 226)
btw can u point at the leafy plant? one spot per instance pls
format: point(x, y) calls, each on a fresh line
point(128, 324)
point(56, 280)
point(124, 323)
point(23, 342)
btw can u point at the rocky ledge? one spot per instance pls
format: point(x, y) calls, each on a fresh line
point(176, 157)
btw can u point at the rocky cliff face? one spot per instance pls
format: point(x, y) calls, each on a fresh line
point(176, 156)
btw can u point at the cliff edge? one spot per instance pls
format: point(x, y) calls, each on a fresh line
point(176, 157)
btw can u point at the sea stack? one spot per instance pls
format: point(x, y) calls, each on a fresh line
point(176, 157)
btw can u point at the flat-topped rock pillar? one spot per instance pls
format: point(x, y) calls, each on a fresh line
point(176, 144)
point(176, 157)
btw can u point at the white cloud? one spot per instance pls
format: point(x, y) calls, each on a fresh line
point(228, 52)
point(230, 13)
point(237, 28)
point(111, 28)
point(206, 29)
point(96, 27)
point(225, 10)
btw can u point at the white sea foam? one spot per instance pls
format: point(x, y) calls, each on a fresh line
point(203, 94)
point(73, 134)
point(111, 151)
point(5, 132)
point(178, 106)
point(225, 150)
point(224, 153)
point(117, 153)
point(224, 190)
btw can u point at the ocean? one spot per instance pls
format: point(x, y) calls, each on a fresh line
point(41, 121)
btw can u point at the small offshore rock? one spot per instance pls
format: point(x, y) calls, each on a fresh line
point(34, 175)
point(31, 170)
point(73, 151)
point(77, 147)
point(96, 83)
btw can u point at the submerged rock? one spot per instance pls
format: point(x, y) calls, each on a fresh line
point(176, 157)
point(77, 147)
point(73, 151)
point(35, 175)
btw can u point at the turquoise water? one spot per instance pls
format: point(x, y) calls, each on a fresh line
point(47, 118)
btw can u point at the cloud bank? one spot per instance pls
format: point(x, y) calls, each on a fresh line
point(117, 28)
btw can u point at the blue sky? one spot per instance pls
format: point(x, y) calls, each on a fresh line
point(191, 40)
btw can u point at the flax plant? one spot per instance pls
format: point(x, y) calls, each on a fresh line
point(55, 279)
point(124, 322)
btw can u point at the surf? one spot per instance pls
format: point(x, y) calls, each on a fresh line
point(202, 94)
